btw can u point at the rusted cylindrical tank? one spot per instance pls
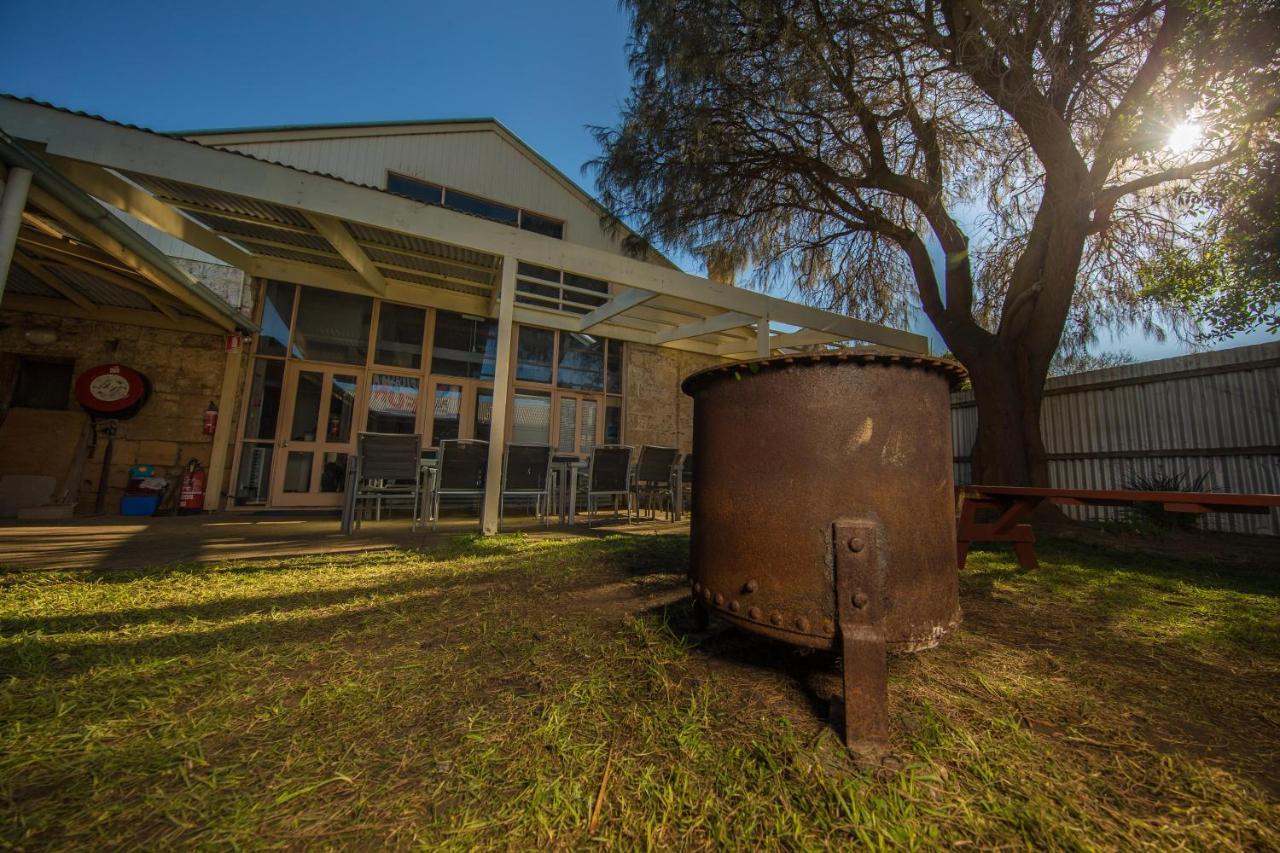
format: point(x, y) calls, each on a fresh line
point(807, 463)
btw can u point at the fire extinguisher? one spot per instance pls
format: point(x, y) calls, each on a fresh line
point(191, 494)
point(211, 418)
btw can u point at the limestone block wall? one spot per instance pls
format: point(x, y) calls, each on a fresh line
point(657, 411)
point(185, 370)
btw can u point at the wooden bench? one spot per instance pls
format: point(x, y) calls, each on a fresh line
point(1013, 505)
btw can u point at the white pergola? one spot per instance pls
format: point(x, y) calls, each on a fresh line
point(275, 221)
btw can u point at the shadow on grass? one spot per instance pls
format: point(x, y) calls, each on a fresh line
point(550, 566)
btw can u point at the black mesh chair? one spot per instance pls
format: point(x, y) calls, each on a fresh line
point(526, 473)
point(387, 470)
point(651, 482)
point(461, 473)
point(608, 476)
point(686, 483)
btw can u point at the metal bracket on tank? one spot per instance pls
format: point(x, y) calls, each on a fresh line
point(860, 611)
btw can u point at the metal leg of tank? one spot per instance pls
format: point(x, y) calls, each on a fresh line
point(701, 615)
point(860, 609)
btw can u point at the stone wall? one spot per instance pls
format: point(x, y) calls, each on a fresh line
point(185, 370)
point(657, 411)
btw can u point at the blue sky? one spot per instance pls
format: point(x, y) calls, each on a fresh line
point(546, 69)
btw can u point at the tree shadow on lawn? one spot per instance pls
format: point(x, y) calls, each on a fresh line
point(1066, 667)
point(520, 572)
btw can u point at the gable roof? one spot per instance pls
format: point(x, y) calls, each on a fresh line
point(354, 130)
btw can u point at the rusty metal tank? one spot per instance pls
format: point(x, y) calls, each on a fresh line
point(824, 508)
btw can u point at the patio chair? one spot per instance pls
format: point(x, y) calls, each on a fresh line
point(652, 479)
point(526, 473)
point(386, 469)
point(686, 483)
point(462, 469)
point(608, 476)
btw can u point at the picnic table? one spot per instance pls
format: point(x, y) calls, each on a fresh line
point(1013, 505)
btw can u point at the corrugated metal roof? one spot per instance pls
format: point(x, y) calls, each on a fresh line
point(21, 281)
point(223, 201)
point(97, 290)
point(396, 241)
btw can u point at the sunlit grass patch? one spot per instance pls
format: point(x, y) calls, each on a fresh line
point(473, 695)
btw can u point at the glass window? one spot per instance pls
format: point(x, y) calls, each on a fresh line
point(535, 354)
point(481, 207)
point(531, 418)
point(541, 225)
point(253, 480)
point(613, 421)
point(393, 403)
point(568, 426)
point(277, 311)
point(342, 408)
point(306, 406)
point(399, 341)
point(581, 364)
point(445, 412)
point(333, 471)
point(464, 346)
point(413, 188)
point(45, 384)
point(613, 368)
point(264, 399)
point(484, 413)
point(333, 326)
point(587, 426)
point(297, 471)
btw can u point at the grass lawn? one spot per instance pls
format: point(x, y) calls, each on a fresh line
point(496, 692)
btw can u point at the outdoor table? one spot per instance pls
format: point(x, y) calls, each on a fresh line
point(566, 470)
point(1013, 506)
point(428, 470)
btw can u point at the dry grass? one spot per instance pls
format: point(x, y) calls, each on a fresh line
point(476, 694)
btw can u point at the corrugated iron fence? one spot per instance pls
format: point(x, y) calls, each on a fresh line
point(1214, 413)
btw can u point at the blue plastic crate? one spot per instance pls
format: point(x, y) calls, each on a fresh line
point(139, 504)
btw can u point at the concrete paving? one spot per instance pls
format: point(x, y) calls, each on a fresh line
point(126, 543)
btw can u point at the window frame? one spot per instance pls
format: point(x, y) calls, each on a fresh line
point(445, 189)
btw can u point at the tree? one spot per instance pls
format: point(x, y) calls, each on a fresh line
point(1230, 282)
point(833, 142)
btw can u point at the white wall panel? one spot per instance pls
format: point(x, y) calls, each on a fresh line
point(476, 161)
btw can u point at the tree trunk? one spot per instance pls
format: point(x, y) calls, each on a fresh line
point(1009, 449)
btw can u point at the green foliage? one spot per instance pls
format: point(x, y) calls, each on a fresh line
point(1148, 517)
point(1228, 277)
point(1068, 361)
point(1218, 288)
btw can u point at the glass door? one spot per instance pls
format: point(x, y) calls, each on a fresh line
point(317, 437)
point(576, 421)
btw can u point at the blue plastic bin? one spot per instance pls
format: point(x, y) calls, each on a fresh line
point(139, 504)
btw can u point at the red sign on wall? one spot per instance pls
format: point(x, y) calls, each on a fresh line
point(109, 388)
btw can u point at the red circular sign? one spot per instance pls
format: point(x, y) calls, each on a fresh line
point(109, 388)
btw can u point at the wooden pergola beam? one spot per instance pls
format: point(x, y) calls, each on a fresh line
point(136, 202)
point(340, 238)
point(718, 323)
point(51, 281)
point(624, 301)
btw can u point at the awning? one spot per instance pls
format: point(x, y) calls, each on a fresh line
point(276, 221)
point(73, 256)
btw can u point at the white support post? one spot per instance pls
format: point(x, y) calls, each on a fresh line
point(762, 337)
point(501, 398)
point(12, 202)
point(230, 392)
